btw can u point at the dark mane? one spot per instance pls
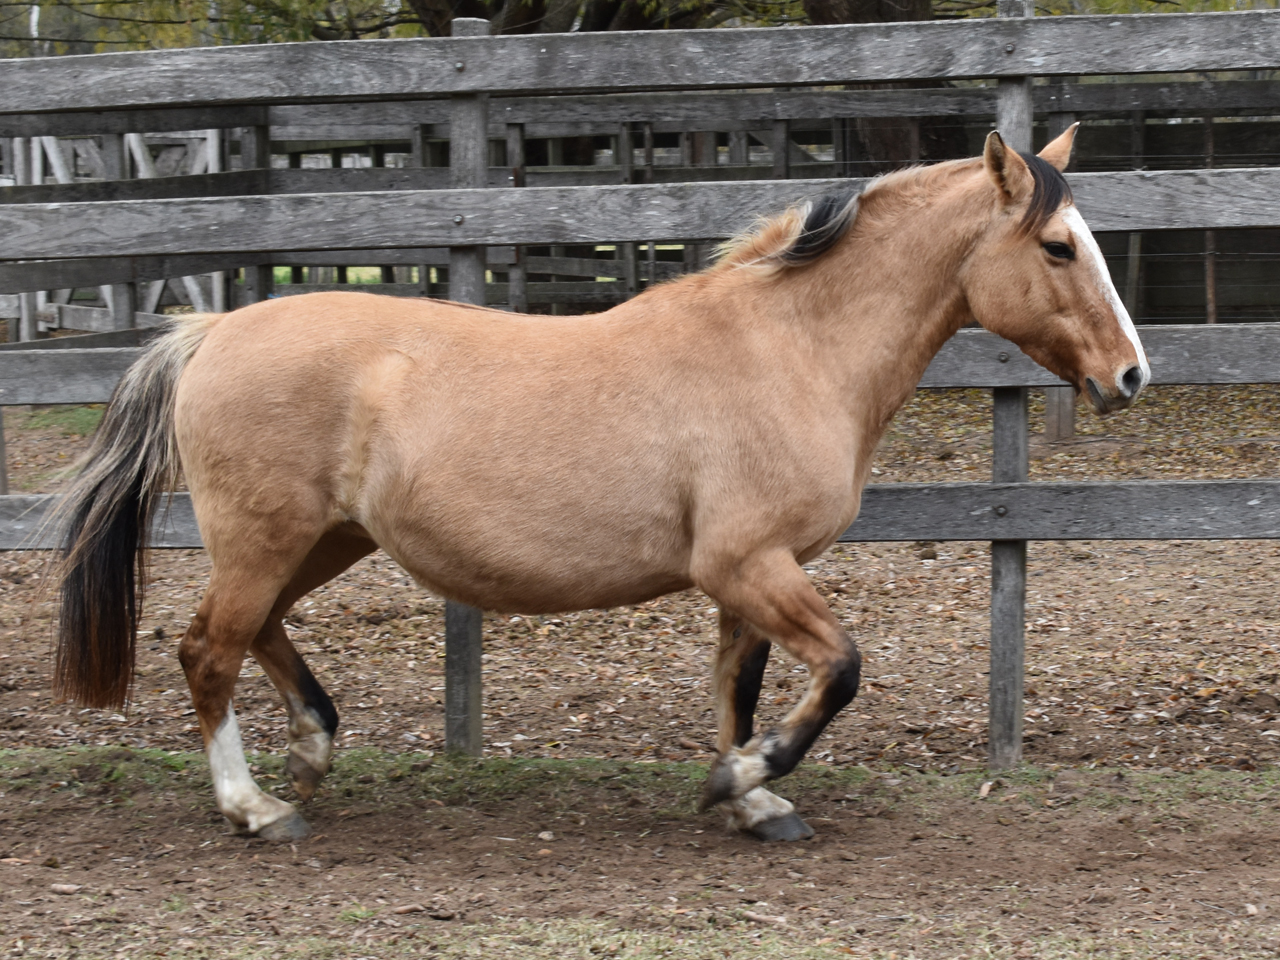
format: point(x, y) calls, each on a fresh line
point(1051, 190)
point(828, 219)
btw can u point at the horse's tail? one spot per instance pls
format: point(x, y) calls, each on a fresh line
point(104, 518)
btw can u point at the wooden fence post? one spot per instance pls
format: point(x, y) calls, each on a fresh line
point(1009, 465)
point(781, 147)
point(517, 276)
point(1210, 238)
point(26, 301)
point(255, 153)
point(463, 643)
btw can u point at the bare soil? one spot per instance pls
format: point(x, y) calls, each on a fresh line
point(1151, 726)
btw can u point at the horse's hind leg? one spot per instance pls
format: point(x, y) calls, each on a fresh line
point(771, 592)
point(252, 566)
point(739, 671)
point(313, 721)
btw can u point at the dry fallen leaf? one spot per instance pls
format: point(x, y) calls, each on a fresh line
point(764, 918)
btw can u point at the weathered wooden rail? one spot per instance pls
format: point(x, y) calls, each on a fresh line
point(84, 234)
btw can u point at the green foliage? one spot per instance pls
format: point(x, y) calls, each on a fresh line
point(68, 421)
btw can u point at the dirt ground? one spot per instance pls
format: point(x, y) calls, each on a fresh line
point(1152, 662)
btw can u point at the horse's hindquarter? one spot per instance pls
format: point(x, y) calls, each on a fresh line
point(517, 463)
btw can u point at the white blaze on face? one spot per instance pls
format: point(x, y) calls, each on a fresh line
point(1089, 251)
point(239, 798)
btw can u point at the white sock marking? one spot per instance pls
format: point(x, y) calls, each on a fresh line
point(238, 796)
point(748, 766)
point(755, 807)
point(308, 739)
point(1085, 241)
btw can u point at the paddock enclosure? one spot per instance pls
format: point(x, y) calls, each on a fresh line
point(473, 100)
point(564, 173)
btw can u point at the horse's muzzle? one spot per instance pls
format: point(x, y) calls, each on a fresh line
point(1128, 384)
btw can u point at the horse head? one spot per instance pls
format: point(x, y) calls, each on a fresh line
point(1036, 276)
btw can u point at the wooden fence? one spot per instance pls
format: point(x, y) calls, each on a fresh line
point(49, 244)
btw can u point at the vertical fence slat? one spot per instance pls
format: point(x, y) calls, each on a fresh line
point(1210, 238)
point(517, 276)
point(1009, 464)
point(463, 645)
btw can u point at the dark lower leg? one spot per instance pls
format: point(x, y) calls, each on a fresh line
point(313, 720)
point(739, 671)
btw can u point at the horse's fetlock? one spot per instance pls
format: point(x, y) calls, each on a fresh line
point(735, 773)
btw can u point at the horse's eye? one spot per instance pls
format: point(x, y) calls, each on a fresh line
point(1060, 251)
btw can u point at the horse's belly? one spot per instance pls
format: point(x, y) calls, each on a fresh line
point(567, 547)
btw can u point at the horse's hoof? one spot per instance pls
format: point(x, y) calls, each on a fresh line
point(288, 829)
point(719, 785)
point(303, 776)
point(789, 827)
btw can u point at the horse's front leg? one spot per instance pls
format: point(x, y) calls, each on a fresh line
point(739, 670)
point(771, 594)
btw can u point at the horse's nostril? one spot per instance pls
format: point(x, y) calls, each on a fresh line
point(1131, 381)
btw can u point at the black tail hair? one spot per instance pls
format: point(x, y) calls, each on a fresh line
point(105, 517)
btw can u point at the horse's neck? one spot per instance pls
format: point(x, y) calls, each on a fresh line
point(885, 300)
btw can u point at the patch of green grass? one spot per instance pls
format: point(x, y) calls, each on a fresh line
point(69, 421)
point(357, 914)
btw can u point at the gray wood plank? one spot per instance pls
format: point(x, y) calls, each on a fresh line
point(1128, 510)
point(152, 120)
point(412, 69)
point(1224, 353)
point(20, 277)
point(54, 274)
point(581, 115)
point(74, 316)
point(1192, 354)
point(62, 376)
point(1130, 200)
point(559, 292)
point(134, 337)
point(21, 516)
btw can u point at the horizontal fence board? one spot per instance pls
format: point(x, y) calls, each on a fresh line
point(674, 59)
point(60, 274)
point(149, 120)
point(495, 293)
point(1137, 200)
point(75, 316)
point(62, 376)
point(34, 275)
point(1224, 354)
point(21, 517)
point(1127, 510)
point(1218, 97)
point(116, 338)
point(394, 120)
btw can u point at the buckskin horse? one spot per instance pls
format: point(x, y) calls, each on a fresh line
point(715, 431)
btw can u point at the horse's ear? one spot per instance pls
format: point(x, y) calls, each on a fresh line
point(1057, 153)
point(1007, 170)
